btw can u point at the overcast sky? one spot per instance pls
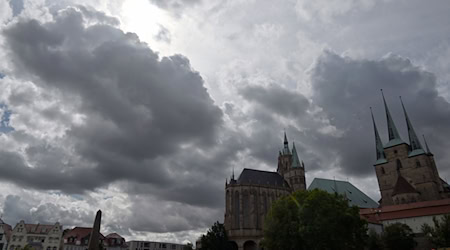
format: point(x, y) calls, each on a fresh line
point(142, 108)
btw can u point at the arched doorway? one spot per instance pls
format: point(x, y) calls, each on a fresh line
point(233, 245)
point(250, 245)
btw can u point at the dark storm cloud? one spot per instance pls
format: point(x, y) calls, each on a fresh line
point(277, 100)
point(139, 109)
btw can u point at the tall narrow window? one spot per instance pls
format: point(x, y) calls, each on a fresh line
point(418, 164)
point(382, 170)
point(399, 164)
point(236, 210)
point(246, 209)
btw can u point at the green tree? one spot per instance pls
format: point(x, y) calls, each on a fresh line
point(215, 239)
point(439, 235)
point(374, 241)
point(313, 220)
point(188, 246)
point(398, 236)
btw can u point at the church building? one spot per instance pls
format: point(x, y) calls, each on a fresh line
point(406, 173)
point(248, 198)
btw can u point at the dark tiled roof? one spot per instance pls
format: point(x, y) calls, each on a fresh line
point(38, 228)
point(403, 187)
point(355, 196)
point(259, 177)
point(79, 233)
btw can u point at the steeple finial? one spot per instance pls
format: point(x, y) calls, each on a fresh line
point(378, 142)
point(414, 141)
point(426, 145)
point(394, 137)
point(232, 174)
point(286, 150)
point(295, 159)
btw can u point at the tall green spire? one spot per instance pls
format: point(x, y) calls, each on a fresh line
point(414, 141)
point(394, 136)
point(286, 150)
point(295, 159)
point(381, 158)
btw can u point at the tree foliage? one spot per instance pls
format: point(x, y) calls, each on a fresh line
point(439, 235)
point(398, 236)
point(188, 246)
point(215, 239)
point(313, 220)
point(374, 241)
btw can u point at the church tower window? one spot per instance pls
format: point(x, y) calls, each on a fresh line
point(236, 210)
point(399, 164)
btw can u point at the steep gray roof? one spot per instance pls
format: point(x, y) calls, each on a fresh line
point(253, 176)
point(355, 196)
point(394, 136)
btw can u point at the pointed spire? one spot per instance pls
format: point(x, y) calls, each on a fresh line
point(394, 137)
point(378, 142)
point(295, 160)
point(286, 145)
point(232, 174)
point(426, 145)
point(414, 141)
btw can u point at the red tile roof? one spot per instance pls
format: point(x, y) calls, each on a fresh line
point(424, 208)
point(38, 228)
point(114, 235)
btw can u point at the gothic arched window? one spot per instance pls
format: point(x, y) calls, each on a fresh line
point(399, 164)
point(246, 209)
point(236, 210)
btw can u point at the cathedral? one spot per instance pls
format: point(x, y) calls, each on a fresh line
point(406, 173)
point(249, 198)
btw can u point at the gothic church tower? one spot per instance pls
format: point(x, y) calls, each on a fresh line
point(290, 168)
point(406, 173)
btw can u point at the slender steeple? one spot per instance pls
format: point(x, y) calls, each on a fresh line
point(414, 141)
point(295, 160)
point(426, 145)
point(378, 143)
point(394, 136)
point(286, 150)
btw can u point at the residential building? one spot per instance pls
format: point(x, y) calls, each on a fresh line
point(249, 198)
point(78, 238)
point(5, 234)
point(36, 236)
point(114, 241)
point(152, 245)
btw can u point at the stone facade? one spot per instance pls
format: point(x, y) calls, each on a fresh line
point(249, 198)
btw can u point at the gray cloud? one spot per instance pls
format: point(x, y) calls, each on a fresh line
point(176, 6)
point(145, 120)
